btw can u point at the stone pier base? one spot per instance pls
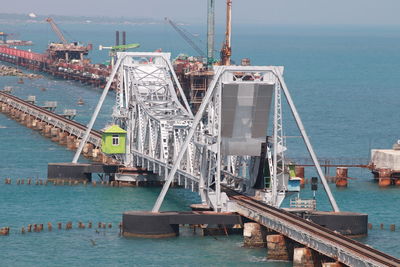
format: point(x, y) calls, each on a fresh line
point(303, 257)
point(279, 248)
point(55, 134)
point(62, 138)
point(254, 235)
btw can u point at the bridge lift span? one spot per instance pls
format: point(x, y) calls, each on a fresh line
point(220, 145)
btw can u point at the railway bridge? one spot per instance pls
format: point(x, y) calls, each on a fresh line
point(227, 151)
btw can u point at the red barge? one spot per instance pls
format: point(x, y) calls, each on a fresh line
point(65, 60)
point(51, 62)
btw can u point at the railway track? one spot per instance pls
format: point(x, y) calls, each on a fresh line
point(370, 255)
point(52, 114)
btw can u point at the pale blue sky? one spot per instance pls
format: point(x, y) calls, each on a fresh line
point(370, 12)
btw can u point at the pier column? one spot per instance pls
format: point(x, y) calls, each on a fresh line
point(55, 134)
point(254, 235)
point(77, 143)
point(299, 170)
point(13, 111)
point(341, 177)
point(39, 125)
point(47, 130)
point(22, 117)
point(303, 257)
point(279, 248)
point(97, 155)
point(4, 107)
point(384, 177)
point(87, 150)
point(62, 138)
point(29, 121)
point(71, 142)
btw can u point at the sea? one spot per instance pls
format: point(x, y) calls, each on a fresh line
point(345, 83)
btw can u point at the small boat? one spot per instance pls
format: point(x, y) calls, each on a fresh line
point(21, 81)
point(80, 102)
point(43, 89)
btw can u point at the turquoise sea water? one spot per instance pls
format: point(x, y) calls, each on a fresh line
point(344, 81)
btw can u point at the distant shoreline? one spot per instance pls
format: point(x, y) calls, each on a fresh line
point(6, 18)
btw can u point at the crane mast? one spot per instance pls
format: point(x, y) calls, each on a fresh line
point(226, 50)
point(57, 30)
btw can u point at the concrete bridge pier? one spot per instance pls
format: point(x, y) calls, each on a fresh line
point(21, 117)
point(29, 121)
point(25, 119)
point(254, 235)
point(341, 177)
point(71, 142)
point(47, 130)
point(34, 123)
point(62, 138)
point(13, 113)
point(280, 248)
point(88, 150)
point(39, 125)
point(97, 155)
point(304, 257)
point(384, 177)
point(54, 132)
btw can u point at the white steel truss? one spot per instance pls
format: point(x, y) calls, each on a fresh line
point(164, 137)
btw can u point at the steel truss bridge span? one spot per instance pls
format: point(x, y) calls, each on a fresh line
point(220, 145)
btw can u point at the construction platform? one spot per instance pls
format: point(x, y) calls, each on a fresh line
point(385, 165)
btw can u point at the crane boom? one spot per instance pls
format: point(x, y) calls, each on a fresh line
point(186, 38)
point(57, 30)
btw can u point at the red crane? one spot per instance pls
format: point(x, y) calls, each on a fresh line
point(57, 30)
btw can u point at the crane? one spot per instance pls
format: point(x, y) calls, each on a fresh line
point(186, 38)
point(57, 30)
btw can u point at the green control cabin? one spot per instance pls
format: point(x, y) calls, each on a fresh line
point(113, 140)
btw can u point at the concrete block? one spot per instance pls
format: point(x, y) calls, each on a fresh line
point(303, 257)
point(254, 235)
point(279, 248)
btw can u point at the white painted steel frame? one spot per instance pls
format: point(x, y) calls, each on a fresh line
point(164, 137)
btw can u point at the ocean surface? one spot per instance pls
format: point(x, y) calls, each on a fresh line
point(344, 81)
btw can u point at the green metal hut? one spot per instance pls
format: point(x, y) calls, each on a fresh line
point(113, 140)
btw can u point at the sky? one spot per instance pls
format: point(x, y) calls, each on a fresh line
point(309, 12)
